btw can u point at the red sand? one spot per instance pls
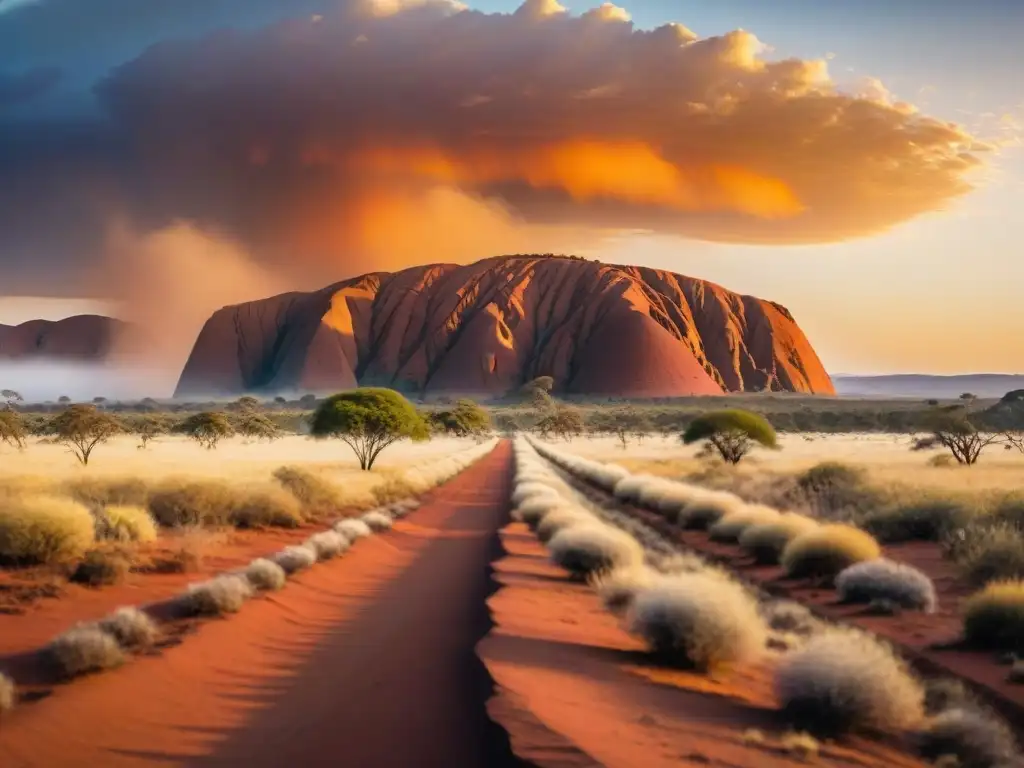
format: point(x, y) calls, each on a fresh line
point(574, 692)
point(366, 661)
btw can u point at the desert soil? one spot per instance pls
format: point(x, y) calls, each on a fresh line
point(367, 660)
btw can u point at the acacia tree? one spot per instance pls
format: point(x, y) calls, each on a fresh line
point(81, 428)
point(148, 427)
point(952, 428)
point(732, 432)
point(564, 421)
point(12, 428)
point(11, 396)
point(256, 426)
point(368, 420)
point(206, 427)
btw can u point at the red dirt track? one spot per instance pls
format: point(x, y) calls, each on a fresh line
point(365, 661)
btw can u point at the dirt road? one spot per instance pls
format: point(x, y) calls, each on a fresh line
point(366, 661)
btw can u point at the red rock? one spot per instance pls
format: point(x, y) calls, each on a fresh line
point(488, 327)
point(78, 338)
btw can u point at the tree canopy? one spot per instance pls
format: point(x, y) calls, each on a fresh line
point(466, 418)
point(12, 428)
point(952, 428)
point(368, 420)
point(82, 427)
point(206, 427)
point(733, 432)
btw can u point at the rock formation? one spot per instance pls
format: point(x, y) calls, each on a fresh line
point(88, 338)
point(486, 328)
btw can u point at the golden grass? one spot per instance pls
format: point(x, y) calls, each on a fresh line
point(127, 523)
point(43, 529)
point(827, 550)
point(994, 617)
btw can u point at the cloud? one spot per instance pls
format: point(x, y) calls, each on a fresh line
point(386, 132)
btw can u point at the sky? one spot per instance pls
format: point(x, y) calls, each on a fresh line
point(857, 161)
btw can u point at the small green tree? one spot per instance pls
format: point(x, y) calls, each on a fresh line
point(12, 428)
point(732, 432)
point(368, 420)
point(81, 428)
point(465, 419)
point(206, 427)
point(256, 426)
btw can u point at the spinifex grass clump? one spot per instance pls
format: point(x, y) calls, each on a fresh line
point(994, 617)
point(766, 541)
point(828, 549)
point(594, 547)
point(882, 579)
point(730, 527)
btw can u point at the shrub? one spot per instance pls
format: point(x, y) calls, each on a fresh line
point(533, 510)
point(101, 568)
point(258, 508)
point(832, 486)
point(731, 431)
point(177, 503)
point(318, 496)
point(618, 587)
point(699, 620)
point(8, 694)
point(989, 552)
point(919, 520)
point(844, 680)
point(977, 739)
point(585, 549)
point(327, 544)
point(729, 527)
point(994, 617)
point(827, 550)
point(525, 491)
point(96, 492)
point(560, 519)
point(709, 507)
point(766, 541)
point(942, 693)
point(884, 579)
point(378, 521)
point(126, 524)
point(790, 617)
point(265, 575)
point(83, 649)
point(219, 595)
point(353, 529)
point(296, 558)
point(130, 627)
point(43, 529)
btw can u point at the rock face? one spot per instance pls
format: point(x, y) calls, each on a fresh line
point(79, 338)
point(486, 328)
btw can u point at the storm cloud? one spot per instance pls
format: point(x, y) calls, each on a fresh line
point(387, 133)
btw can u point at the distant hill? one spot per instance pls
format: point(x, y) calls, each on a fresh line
point(79, 338)
point(985, 385)
point(486, 328)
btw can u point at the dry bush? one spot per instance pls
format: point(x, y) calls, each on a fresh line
point(295, 558)
point(924, 518)
point(177, 503)
point(989, 551)
point(391, 490)
point(977, 739)
point(790, 617)
point(219, 595)
point(353, 529)
point(561, 518)
point(699, 620)
point(827, 550)
point(833, 489)
point(618, 587)
point(731, 526)
point(844, 680)
point(125, 523)
point(327, 544)
point(942, 693)
point(590, 548)
point(264, 507)
point(377, 520)
point(97, 492)
point(708, 507)
point(534, 509)
point(43, 529)
point(83, 649)
point(265, 575)
point(8, 694)
point(524, 491)
point(883, 579)
point(766, 541)
point(317, 496)
point(130, 627)
point(994, 617)
point(680, 562)
point(101, 567)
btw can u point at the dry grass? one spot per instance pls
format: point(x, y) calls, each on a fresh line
point(885, 580)
point(102, 567)
point(126, 523)
point(594, 547)
point(82, 650)
point(353, 529)
point(327, 544)
point(317, 496)
point(975, 738)
point(130, 627)
point(378, 521)
point(295, 559)
point(708, 508)
point(699, 620)
point(618, 587)
point(43, 529)
point(216, 597)
point(265, 575)
point(828, 549)
point(561, 518)
point(844, 680)
point(730, 527)
point(994, 617)
point(766, 541)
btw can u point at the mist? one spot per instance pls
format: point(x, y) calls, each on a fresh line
point(40, 380)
